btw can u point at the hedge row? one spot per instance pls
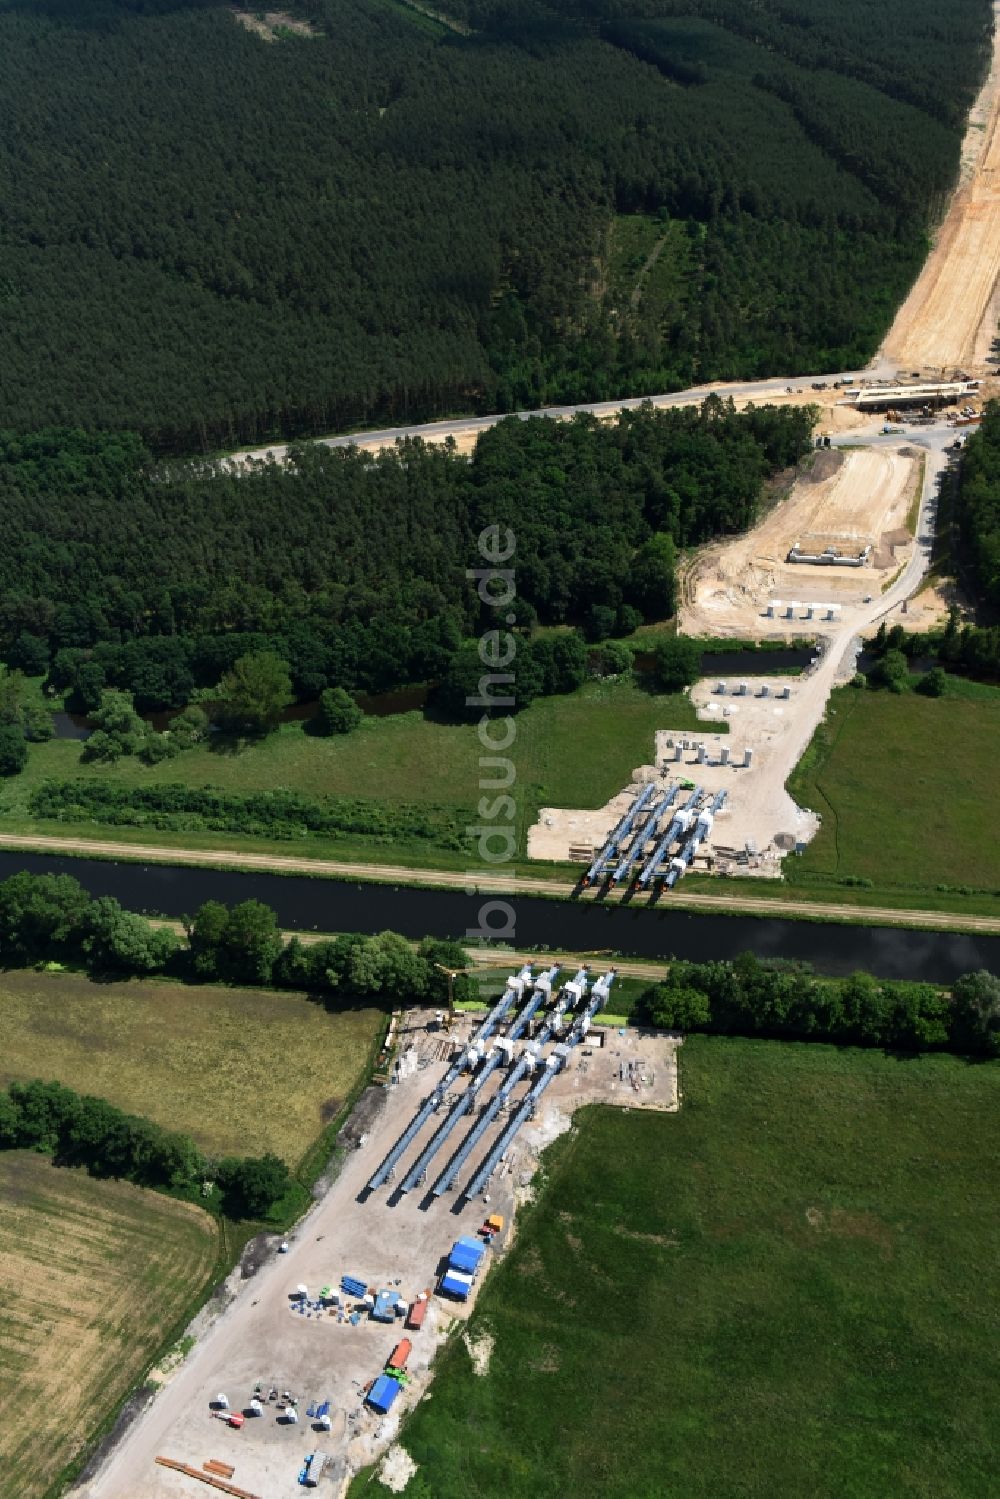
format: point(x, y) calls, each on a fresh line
point(86, 1131)
point(267, 814)
point(750, 998)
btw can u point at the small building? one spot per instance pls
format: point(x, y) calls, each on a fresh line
point(382, 1393)
point(466, 1255)
point(314, 1469)
point(457, 1283)
point(384, 1309)
point(399, 1355)
point(417, 1313)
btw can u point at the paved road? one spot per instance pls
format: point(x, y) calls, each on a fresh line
point(462, 426)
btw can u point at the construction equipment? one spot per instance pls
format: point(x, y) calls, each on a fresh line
point(451, 975)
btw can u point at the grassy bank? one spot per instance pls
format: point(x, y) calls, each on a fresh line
point(171, 1052)
point(903, 783)
point(96, 1275)
point(786, 1289)
point(408, 758)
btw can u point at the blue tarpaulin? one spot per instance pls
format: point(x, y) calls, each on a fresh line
point(382, 1393)
point(455, 1283)
point(352, 1285)
point(466, 1254)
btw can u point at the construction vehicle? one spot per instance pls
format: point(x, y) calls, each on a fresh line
point(492, 1227)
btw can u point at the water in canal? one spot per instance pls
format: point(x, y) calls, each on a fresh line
point(305, 904)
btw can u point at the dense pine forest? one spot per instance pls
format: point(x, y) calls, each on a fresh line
point(977, 507)
point(119, 572)
point(212, 235)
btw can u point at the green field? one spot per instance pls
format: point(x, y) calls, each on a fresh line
point(904, 786)
point(94, 1277)
point(170, 1052)
point(787, 1289)
point(576, 750)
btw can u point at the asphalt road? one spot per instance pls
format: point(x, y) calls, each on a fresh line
point(463, 425)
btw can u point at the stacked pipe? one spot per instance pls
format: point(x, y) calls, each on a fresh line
point(553, 1065)
point(649, 824)
point(617, 835)
point(570, 995)
point(513, 990)
point(678, 825)
point(500, 1054)
point(702, 830)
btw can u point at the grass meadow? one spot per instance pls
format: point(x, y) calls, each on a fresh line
point(170, 1052)
point(905, 786)
point(574, 751)
point(786, 1289)
point(94, 1277)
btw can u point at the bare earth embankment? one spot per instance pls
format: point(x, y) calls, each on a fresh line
point(949, 320)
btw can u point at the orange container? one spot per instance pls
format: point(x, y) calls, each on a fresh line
point(399, 1355)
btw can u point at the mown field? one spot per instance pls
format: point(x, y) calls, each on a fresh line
point(170, 1052)
point(786, 1289)
point(403, 758)
point(94, 1276)
point(904, 786)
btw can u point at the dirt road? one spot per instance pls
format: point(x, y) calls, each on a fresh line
point(950, 318)
point(487, 884)
point(379, 1238)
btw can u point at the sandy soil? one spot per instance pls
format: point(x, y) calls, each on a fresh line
point(267, 28)
point(850, 501)
point(258, 1337)
point(950, 318)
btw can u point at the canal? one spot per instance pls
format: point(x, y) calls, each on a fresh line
point(304, 904)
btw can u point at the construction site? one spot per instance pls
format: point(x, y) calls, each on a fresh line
point(305, 1362)
point(305, 1373)
point(844, 549)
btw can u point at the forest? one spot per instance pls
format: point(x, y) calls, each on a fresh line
point(751, 997)
point(548, 200)
point(976, 508)
point(118, 572)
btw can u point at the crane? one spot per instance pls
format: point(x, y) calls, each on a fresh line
point(451, 976)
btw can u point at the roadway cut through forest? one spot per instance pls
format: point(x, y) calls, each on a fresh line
point(949, 320)
point(938, 326)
